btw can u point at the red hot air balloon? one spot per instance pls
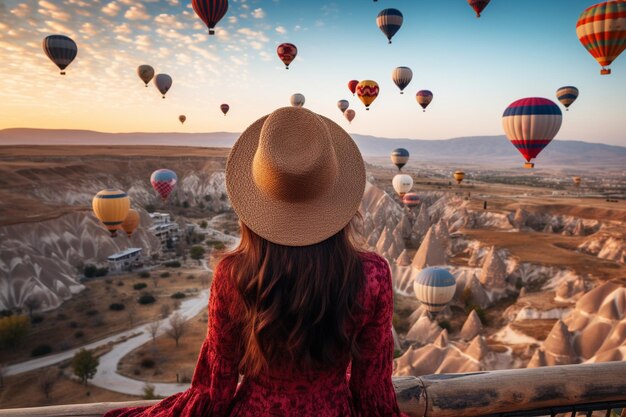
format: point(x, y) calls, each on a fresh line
point(478, 5)
point(224, 107)
point(163, 181)
point(352, 85)
point(210, 11)
point(287, 52)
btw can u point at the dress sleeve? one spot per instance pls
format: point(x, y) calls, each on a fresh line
point(370, 379)
point(215, 378)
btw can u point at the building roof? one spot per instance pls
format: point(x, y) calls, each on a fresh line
point(123, 253)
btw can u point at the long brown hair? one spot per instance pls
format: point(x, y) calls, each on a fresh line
point(297, 300)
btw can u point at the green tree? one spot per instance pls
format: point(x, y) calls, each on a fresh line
point(203, 224)
point(196, 253)
point(13, 330)
point(85, 365)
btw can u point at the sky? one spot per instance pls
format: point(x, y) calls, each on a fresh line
point(474, 67)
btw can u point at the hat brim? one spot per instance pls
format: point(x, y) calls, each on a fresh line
point(299, 223)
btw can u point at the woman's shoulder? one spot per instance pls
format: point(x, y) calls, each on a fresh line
point(377, 274)
point(373, 263)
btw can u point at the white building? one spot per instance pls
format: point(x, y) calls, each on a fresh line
point(164, 228)
point(124, 259)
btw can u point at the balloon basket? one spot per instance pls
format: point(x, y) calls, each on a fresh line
point(211, 31)
point(529, 165)
point(62, 72)
point(605, 71)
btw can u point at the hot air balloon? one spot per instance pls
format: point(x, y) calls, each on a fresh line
point(602, 31)
point(458, 176)
point(210, 11)
point(163, 82)
point(224, 108)
point(111, 208)
point(434, 288)
point(424, 97)
point(411, 200)
point(530, 124)
point(61, 50)
point(163, 181)
point(343, 105)
point(389, 22)
point(399, 157)
point(352, 85)
point(297, 100)
point(478, 5)
point(146, 73)
point(402, 183)
point(349, 114)
point(367, 91)
point(131, 222)
point(577, 181)
point(182, 118)
point(567, 95)
point(287, 52)
point(402, 76)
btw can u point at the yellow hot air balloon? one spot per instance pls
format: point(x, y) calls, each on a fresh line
point(111, 208)
point(577, 181)
point(131, 222)
point(367, 91)
point(458, 176)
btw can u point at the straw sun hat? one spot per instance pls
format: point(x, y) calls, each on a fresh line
point(294, 177)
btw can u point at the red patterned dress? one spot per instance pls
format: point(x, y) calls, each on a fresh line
point(214, 391)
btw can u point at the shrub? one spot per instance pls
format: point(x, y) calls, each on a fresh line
point(41, 350)
point(140, 286)
point(445, 324)
point(164, 275)
point(196, 252)
point(148, 391)
point(117, 307)
point(185, 204)
point(6, 313)
point(13, 329)
point(91, 312)
point(144, 274)
point(191, 276)
point(178, 295)
point(203, 224)
point(100, 272)
point(79, 334)
point(149, 208)
point(90, 271)
point(482, 315)
point(147, 363)
point(37, 318)
point(219, 246)
point(108, 281)
point(146, 299)
point(172, 264)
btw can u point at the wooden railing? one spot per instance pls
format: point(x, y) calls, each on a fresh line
point(549, 390)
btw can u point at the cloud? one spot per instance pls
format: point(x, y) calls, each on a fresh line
point(252, 34)
point(59, 27)
point(22, 10)
point(258, 13)
point(281, 30)
point(169, 20)
point(47, 5)
point(138, 12)
point(232, 19)
point(111, 9)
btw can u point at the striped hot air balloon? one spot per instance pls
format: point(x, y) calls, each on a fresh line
point(567, 95)
point(131, 222)
point(402, 76)
point(297, 100)
point(210, 11)
point(163, 181)
point(343, 105)
point(434, 288)
point(111, 208)
point(399, 157)
point(424, 97)
point(349, 115)
point(367, 91)
point(163, 83)
point(287, 53)
point(530, 124)
point(478, 5)
point(389, 22)
point(411, 200)
point(61, 50)
point(602, 31)
point(402, 184)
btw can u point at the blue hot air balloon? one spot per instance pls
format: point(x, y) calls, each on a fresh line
point(389, 22)
point(434, 288)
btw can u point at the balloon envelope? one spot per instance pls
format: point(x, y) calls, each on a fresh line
point(458, 176)
point(297, 100)
point(567, 95)
point(182, 118)
point(601, 29)
point(349, 114)
point(131, 222)
point(434, 288)
point(411, 200)
point(287, 53)
point(530, 124)
point(163, 181)
point(210, 12)
point(224, 108)
point(478, 5)
point(111, 208)
point(343, 105)
point(424, 97)
point(389, 22)
point(163, 82)
point(402, 184)
point(146, 73)
point(399, 157)
point(367, 91)
point(352, 85)
point(61, 50)
point(402, 76)
point(577, 181)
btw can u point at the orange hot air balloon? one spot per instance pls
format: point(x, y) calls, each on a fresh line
point(352, 85)
point(287, 53)
point(458, 176)
point(131, 222)
point(577, 181)
point(111, 208)
point(367, 91)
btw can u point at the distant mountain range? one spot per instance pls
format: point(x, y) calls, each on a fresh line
point(487, 150)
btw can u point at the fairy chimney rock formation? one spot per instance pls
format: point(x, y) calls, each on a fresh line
point(423, 331)
point(384, 242)
point(493, 274)
point(519, 219)
point(538, 359)
point(431, 252)
point(442, 339)
point(472, 327)
point(558, 346)
point(421, 226)
point(477, 349)
point(404, 227)
point(404, 259)
point(478, 294)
